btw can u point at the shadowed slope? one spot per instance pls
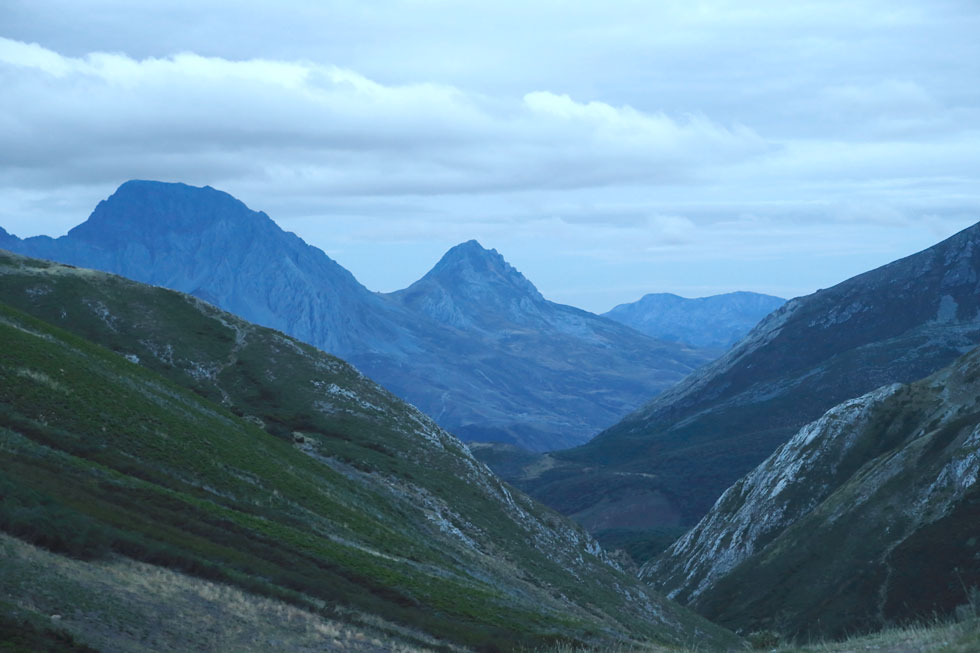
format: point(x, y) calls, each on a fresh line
point(678, 453)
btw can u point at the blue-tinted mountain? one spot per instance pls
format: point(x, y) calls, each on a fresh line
point(666, 464)
point(528, 389)
point(585, 366)
point(717, 321)
point(470, 288)
point(206, 243)
point(868, 516)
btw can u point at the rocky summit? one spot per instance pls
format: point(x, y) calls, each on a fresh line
point(867, 516)
point(473, 288)
point(472, 343)
point(666, 464)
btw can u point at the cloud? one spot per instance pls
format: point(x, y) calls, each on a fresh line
point(110, 117)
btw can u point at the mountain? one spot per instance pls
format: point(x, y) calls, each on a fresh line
point(585, 368)
point(717, 322)
point(666, 464)
point(206, 243)
point(472, 288)
point(526, 388)
point(181, 457)
point(866, 517)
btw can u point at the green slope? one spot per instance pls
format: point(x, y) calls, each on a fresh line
point(235, 453)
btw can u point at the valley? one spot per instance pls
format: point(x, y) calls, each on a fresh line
point(896, 324)
point(143, 423)
point(813, 481)
point(489, 327)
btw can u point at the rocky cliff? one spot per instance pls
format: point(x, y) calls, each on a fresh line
point(867, 516)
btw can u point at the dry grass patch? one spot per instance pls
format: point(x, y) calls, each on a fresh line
point(122, 605)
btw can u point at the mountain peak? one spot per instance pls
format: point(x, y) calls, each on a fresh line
point(472, 251)
point(471, 281)
point(715, 321)
point(141, 208)
point(472, 270)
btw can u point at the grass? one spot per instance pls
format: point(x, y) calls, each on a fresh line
point(937, 637)
point(45, 597)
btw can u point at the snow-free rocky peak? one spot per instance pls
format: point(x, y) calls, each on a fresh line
point(471, 269)
point(472, 286)
point(140, 211)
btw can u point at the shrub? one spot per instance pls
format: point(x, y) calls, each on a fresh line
point(38, 519)
point(763, 639)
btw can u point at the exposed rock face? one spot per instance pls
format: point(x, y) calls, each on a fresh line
point(867, 516)
point(473, 343)
point(785, 487)
point(895, 324)
point(717, 322)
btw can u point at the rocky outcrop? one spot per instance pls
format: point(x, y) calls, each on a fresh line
point(867, 516)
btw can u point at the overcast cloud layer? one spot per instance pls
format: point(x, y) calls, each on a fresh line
point(606, 152)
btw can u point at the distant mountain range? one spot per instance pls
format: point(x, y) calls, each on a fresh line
point(718, 321)
point(160, 454)
point(665, 465)
point(473, 343)
point(868, 516)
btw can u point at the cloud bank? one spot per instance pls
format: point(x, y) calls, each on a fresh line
point(104, 117)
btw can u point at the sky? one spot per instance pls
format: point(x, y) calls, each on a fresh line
point(606, 149)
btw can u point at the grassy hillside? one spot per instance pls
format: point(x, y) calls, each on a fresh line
point(189, 439)
point(51, 602)
point(930, 637)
